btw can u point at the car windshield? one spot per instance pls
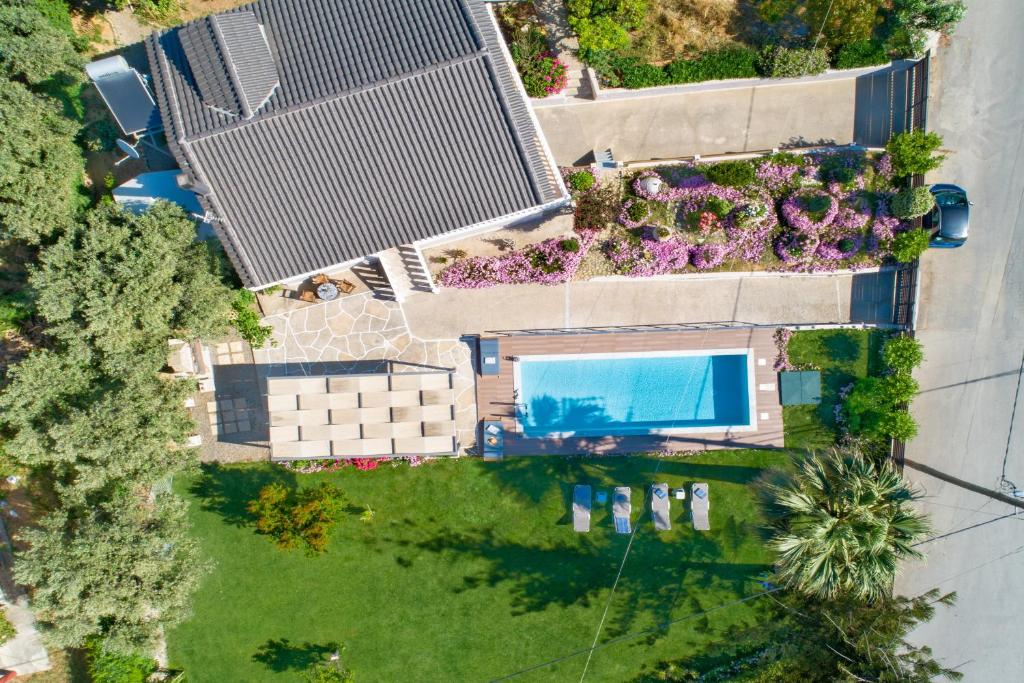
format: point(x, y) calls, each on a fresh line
point(951, 199)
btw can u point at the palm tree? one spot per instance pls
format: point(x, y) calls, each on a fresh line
point(844, 525)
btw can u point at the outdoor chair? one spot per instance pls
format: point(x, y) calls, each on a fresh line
point(621, 508)
point(319, 279)
point(660, 507)
point(699, 506)
point(581, 508)
point(344, 286)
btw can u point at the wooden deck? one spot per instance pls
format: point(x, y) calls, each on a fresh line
point(494, 393)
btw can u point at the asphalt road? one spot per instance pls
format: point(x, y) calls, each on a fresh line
point(972, 326)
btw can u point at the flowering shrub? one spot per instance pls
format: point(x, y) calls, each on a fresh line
point(543, 75)
point(843, 248)
point(550, 262)
point(795, 247)
point(708, 256)
point(628, 211)
point(777, 178)
point(810, 210)
point(782, 336)
point(646, 258)
point(367, 464)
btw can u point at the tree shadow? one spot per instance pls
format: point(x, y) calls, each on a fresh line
point(283, 655)
point(842, 347)
point(228, 490)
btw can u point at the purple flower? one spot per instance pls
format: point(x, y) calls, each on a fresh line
point(547, 262)
point(624, 218)
point(777, 177)
point(708, 256)
point(648, 257)
point(795, 211)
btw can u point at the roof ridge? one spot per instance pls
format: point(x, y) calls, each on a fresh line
point(480, 54)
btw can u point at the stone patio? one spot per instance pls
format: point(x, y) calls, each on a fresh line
point(360, 333)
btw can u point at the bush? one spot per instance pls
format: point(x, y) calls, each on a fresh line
point(110, 667)
point(910, 19)
point(875, 406)
point(570, 244)
point(639, 210)
point(295, 518)
point(581, 181)
point(902, 353)
point(842, 21)
point(898, 424)
point(908, 246)
point(861, 53)
point(247, 320)
point(596, 209)
point(729, 62)
point(600, 34)
point(785, 62)
point(730, 173)
point(897, 388)
point(7, 630)
point(914, 153)
point(633, 73)
point(912, 202)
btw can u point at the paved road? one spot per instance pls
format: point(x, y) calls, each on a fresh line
point(972, 327)
point(864, 297)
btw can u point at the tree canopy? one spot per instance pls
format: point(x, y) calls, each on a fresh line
point(843, 525)
point(33, 50)
point(121, 571)
point(123, 283)
point(40, 164)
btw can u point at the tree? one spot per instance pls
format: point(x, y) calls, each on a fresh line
point(33, 50)
point(842, 22)
point(902, 353)
point(40, 165)
point(120, 571)
point(843, 526)
point(91, 434)
point(914, 153)
point(909, 20)
point(908, 245)
point(298, 518)
point(123, 283)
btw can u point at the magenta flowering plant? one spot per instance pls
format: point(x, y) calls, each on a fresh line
point(777, 178)
point(782, 336)
point(843, 248)
point(646, 258)
point(550, 262)
point(883, 167)
point(810, 210)
point(795, 247)
point(708, 256)
point(626, 220)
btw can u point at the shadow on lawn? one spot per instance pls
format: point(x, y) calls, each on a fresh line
point(283, 655)
point(228, 490)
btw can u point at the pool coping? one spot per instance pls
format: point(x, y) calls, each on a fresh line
point(750, 426)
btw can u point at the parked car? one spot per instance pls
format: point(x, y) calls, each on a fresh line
point(949, 220)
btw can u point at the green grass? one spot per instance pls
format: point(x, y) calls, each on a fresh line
point(842, 356)
point(471, 571)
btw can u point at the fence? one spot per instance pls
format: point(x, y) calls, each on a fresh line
point(672, 327)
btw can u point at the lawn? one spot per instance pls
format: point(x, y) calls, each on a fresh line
point(471, 571)
point(842, 356)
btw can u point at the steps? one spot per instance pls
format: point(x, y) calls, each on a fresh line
point(406, 273)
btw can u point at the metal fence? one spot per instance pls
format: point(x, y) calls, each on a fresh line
point(672, 327)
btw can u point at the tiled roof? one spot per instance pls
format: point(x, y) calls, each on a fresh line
point(326, 130)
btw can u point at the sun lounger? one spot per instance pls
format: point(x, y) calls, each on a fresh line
point(699, 507)
point(660, 507)
point(581, 508)
point(621, 509)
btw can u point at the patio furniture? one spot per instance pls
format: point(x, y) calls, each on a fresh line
point(581, 508)
point(494, 440)
point(319, 279)
point(307, 296)
point(328, 291)
point(602, 497)
point(660, 507)
point(489, 356)
point(800, 388)
point(344, 285)
point(621, 509)
point(680, 494)
point(699, 507)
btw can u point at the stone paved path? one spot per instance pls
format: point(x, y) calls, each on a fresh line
point(361, 334)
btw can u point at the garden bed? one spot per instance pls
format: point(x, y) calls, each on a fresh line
point(647, 43)
point(819, 212)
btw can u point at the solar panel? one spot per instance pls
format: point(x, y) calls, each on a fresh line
point(129, 101)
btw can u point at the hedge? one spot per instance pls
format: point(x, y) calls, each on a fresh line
point(729, 62)
point(786, 62)
point(861, 53)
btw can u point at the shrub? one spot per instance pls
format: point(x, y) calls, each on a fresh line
point(295, 518)
point(910, 19)
point(908, 246)
point(730, 173)
point(639, 210)
point(581, 181)
point(247, 320)
point(600, 34)
point(914, 153)
point(635, 74)
point(718, 206)
point(7, 630)
point(729, 62)
point(898, 424)
point(842, 21)
point(106, 666)
point(897, 388)
point(596, 209)
point(861, 53)
point(912, 202)
point(543, 75)
point(785, 62)
point(902, 353)
point(570, 244)
point(456, 253)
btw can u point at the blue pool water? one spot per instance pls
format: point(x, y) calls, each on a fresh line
point(640, 394)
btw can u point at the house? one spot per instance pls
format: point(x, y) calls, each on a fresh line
point(317, 133)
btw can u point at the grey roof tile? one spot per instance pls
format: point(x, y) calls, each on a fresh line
point(389, 121)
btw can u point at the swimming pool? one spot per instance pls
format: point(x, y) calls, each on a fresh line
point(659, 392)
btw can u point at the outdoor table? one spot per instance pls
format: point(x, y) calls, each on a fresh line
point(327, 291)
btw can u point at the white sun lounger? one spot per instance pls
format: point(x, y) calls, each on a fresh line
point(699, 506)
point(581, 508)
point(660, 507)
point(621, 509)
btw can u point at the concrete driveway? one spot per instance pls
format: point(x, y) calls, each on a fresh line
point(727, 119)
point(972, 326)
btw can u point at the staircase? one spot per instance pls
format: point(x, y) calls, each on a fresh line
point(405, 270)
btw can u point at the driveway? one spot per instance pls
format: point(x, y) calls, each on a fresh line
point(771, 299)
point(726, 119)
point(972, 326)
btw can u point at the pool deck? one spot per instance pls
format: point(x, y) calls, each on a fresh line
point(495, 401)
